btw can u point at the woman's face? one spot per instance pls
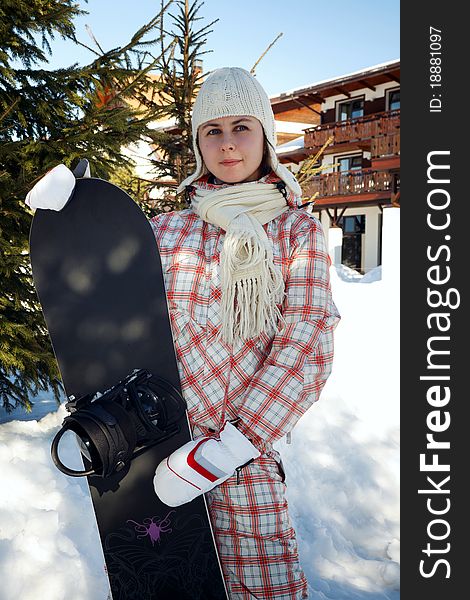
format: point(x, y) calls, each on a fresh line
point(232, 148)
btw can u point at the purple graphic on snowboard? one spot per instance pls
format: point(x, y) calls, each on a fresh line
point(153, 528)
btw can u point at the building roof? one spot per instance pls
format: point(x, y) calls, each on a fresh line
point(345, 84)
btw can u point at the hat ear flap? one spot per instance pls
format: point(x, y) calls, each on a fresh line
point(283, 172)
point(198, 171)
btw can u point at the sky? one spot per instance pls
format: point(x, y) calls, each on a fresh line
point(319, 41)
point(342, 469)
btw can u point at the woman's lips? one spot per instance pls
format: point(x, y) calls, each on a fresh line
point(230, 163)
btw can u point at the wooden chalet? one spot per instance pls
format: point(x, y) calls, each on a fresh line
point(360, 173)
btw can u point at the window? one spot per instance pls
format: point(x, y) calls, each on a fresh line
point(354, 228)
point(353, 225)
point(349, 163)
point(350, 110)
point(394, 100)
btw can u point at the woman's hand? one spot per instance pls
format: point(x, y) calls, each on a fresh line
point(55, 189)
point(202, 464)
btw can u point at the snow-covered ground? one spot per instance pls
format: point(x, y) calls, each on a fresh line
point(343, 462)
point(342, 474)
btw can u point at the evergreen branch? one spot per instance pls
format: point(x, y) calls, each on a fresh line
point(9, 109)
point(91, 34)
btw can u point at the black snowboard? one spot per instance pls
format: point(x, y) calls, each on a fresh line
point(98, 276)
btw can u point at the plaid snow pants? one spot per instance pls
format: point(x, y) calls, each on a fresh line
point(254, 536)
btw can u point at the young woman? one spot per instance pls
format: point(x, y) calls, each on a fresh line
point(247, 281)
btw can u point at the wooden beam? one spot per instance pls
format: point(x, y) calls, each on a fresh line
point(392, 77)
point(334, 218)
point(315, 97)
point(367, 84)
point(299, 101)
point(342, 90)
point(350, 200)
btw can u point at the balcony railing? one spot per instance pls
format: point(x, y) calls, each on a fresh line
point(386, 145)
point(362, 128)
point(352, 182)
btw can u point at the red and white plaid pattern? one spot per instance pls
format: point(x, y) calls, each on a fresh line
point(267, 381)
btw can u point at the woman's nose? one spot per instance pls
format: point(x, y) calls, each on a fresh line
point(227, 143)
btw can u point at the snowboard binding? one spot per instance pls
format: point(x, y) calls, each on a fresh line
point(117, 425)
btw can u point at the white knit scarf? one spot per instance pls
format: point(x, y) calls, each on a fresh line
point(251, 284)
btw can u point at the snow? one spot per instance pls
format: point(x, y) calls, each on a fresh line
point(344, 455)
point(291, 126)
point(342, 474)
point(295, 144)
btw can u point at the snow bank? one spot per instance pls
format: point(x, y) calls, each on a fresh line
point(49, 545)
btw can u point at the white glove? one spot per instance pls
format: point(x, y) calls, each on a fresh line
point(201, 465)
point(55, 189)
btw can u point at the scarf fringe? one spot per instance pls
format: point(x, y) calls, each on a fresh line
point(252, 288)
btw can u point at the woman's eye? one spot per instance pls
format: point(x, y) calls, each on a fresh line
point(216, 130)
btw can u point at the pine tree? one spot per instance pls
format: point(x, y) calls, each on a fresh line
point(48, 117)
point(180, 79)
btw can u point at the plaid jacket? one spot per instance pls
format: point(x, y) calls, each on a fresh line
point(268, 381)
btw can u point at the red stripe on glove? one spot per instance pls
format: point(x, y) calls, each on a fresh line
point(197, 467)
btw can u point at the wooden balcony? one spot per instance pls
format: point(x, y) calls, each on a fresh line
point(353, 130)
point(357, 186)
point(386, 145)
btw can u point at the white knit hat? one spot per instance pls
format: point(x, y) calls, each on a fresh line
point(233, 92)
